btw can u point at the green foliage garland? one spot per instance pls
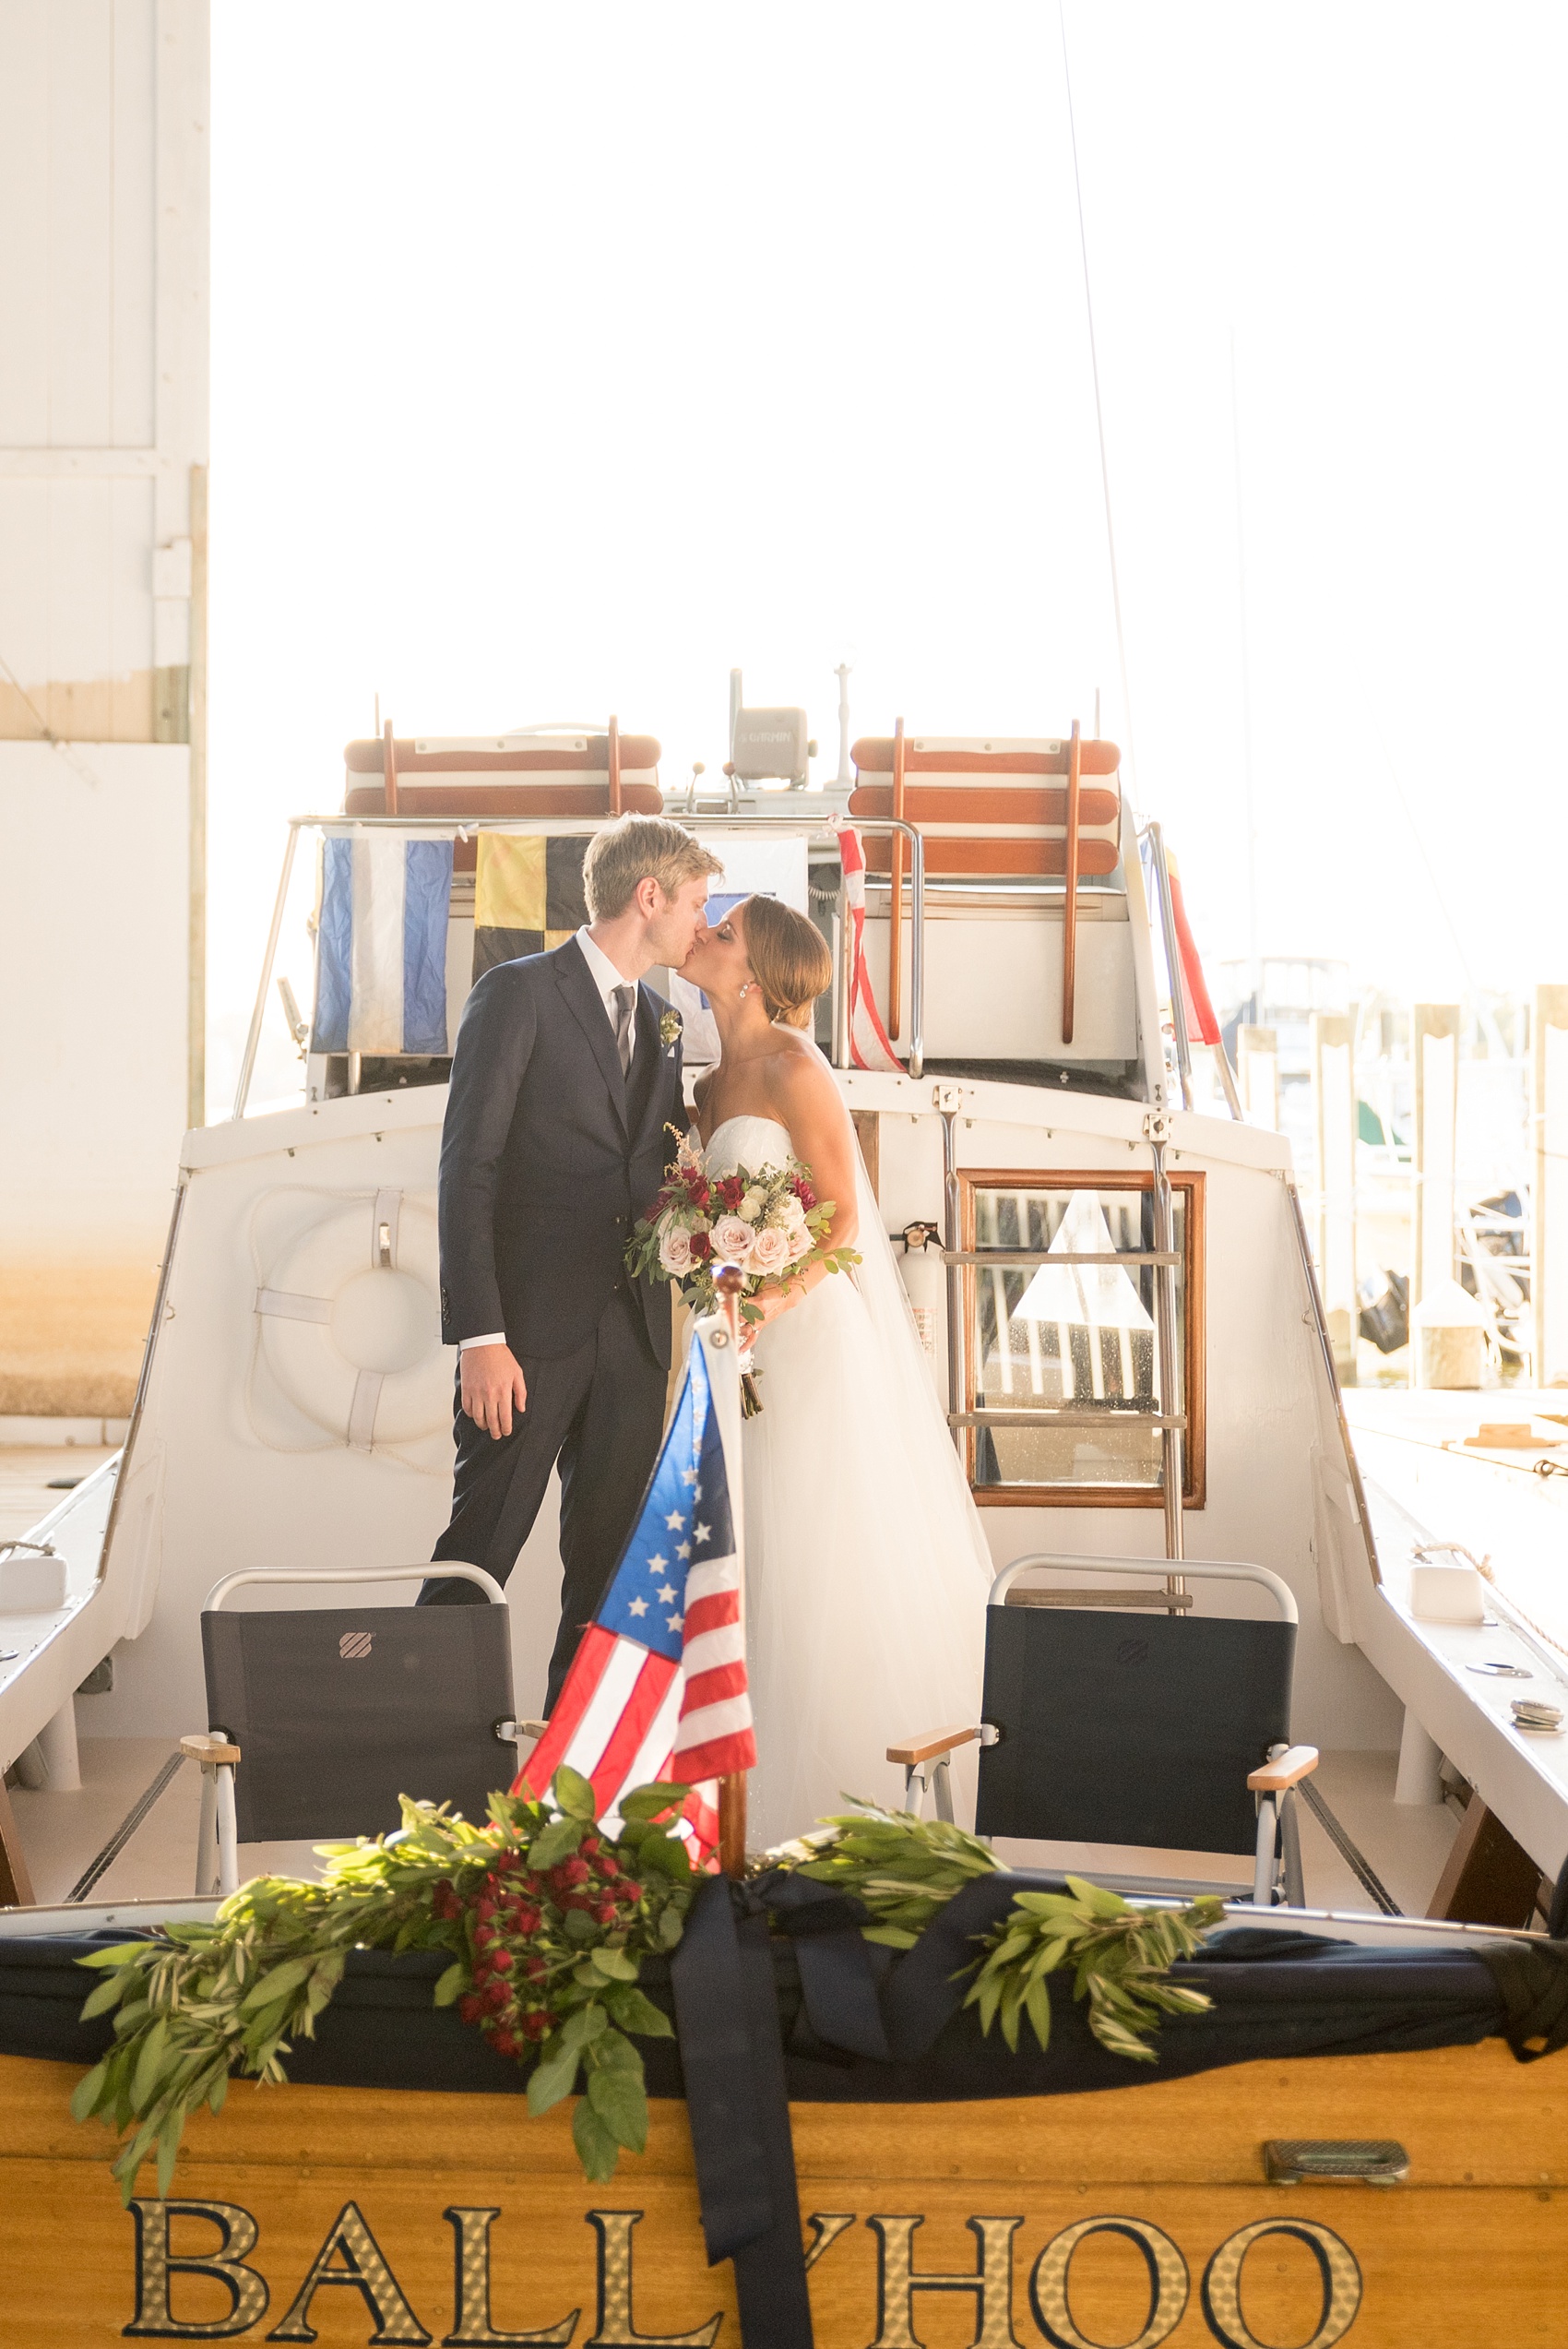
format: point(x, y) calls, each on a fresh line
point(905, 1868)
point(546, 1918)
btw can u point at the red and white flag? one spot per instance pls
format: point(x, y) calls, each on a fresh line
point(658, 1687)
point(869, 1045)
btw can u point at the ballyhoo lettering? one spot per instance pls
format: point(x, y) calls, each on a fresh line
point(350, 2258)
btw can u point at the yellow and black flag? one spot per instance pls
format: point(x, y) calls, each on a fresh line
point(527, 894)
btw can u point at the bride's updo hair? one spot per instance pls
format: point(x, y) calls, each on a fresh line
point(790, 958)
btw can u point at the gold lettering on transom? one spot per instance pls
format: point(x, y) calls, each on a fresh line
point(614, 2329)
point(1168, 2283)
point(157, 2264)
point(991, 2281)
point(364, 2271)
point(1337, 2267)
point(472, 2325)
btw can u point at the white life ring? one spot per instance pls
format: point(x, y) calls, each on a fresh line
point(350, 1326)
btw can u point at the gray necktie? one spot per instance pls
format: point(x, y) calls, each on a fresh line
point(626, 1004)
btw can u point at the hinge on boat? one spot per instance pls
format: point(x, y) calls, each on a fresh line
point(1157, 1125)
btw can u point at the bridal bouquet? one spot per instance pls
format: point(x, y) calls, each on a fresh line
point(768, 1224)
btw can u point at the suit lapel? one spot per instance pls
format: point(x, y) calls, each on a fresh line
point(582, 996)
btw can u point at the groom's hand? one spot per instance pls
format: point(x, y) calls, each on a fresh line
point(494, 1386)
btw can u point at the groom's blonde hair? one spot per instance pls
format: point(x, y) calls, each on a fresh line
point(640, 848)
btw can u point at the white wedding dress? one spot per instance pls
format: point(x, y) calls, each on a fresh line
point(866, 1568)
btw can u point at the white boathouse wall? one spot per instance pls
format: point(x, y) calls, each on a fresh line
point(103, 446)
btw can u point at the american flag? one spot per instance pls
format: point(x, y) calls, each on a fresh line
point(868, 1046)
point(658, 1687)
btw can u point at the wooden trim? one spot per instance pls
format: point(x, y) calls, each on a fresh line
point(16, 1883)
point(1291, 1766)
point(1487, 1878)
point(389, 772)
point(615, 766)
point(1192, 1185)
point(896, 891)
point(867, 1124)
point(930, 1743)
point(1070, 902)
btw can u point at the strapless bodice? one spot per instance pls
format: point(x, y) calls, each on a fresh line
point(751, 1142)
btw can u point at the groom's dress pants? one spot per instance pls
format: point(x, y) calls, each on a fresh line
point(599, 1413)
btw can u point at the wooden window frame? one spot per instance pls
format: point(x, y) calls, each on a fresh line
point(1191, 1184)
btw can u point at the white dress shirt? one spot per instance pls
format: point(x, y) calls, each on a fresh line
point(606, 978)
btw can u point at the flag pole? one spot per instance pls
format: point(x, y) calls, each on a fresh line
point(733, 1785)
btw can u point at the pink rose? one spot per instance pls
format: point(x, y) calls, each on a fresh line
point(797, 1232)
point(733, 1241)
point(770, 1250)
point(675, 1251)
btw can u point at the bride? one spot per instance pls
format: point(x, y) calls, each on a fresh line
point(866, 1568)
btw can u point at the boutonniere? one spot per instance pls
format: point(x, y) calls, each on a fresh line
point(669, 1029)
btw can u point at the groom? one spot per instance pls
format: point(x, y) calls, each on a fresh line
point(564, 1079)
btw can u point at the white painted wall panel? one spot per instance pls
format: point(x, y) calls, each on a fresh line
point(24, 225)
point(80, 105)
point(130, 576)
point(24, 576)
point(133, 422)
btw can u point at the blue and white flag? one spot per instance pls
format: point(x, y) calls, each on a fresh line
point(381, 951)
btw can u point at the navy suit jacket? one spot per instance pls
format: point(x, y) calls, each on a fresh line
point(544, 1166)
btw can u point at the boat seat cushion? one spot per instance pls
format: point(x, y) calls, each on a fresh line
point(562, 776)
point(989, 808)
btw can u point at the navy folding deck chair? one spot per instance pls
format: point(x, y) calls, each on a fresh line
point(1102, 1726)
point(320, 1717)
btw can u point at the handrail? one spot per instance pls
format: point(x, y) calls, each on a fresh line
point(560, 826)
point(1202, 1569)
point(327, 1576)
point(1173, 971)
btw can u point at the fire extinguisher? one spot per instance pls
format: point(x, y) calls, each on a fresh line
point(925, 1280)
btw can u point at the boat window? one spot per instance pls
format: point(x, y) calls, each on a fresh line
point(1073, 1342)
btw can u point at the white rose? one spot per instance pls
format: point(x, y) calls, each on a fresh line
point(770, 1251)
point(754, 1202)
point(675, 1251)
point(798, 1231)
point(733, 1241)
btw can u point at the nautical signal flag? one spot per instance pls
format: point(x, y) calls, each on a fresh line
point(658, 1687)
point(527, 894)
point(381, 963)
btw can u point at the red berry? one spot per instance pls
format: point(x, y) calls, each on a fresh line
point(536, 1969)
point(504, 2043)
point(608, 1867)
point(605, 1912)
point(500, 1962)
point(574, 1871)
point(484, 1909)
point(630, 1891)
point(495, 1994)
point(470, 2007)
point(528, 1920)
point(485, 1937)
point(536, 2025)
point(588, 1846)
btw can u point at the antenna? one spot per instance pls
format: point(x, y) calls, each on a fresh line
point(1254, 968)
point(843, 779)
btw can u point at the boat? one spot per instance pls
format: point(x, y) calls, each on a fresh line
point(1117, 1294)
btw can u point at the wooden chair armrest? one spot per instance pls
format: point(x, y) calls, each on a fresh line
point(1297, 1763)
point(931, 1743)
point(202, 1748)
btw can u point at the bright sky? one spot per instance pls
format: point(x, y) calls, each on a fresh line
point(564, 358)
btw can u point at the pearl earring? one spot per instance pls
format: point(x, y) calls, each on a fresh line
point(745, 990)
